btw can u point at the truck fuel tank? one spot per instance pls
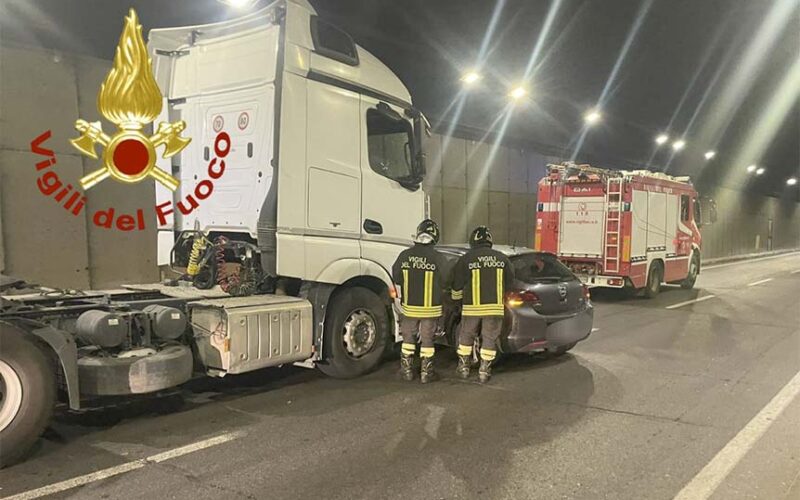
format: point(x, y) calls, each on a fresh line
point(241, 334)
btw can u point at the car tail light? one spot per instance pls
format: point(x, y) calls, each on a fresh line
point(517, 299)
point(587, 294)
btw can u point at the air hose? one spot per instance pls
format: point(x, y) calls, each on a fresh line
point(198, 246)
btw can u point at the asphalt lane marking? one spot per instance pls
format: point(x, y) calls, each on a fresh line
point(706, 481)
point(759, 282)
point(693, 301)
point(123, 468)
point(748, 261)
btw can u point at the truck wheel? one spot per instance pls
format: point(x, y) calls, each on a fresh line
point(355, 333)
point(27, 394)
point(694, 269)
point(654, 279)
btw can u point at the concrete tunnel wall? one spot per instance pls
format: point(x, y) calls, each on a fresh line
point(467, 185)
point(40, 241)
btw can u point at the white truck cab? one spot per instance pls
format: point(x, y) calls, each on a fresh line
point(324, 168)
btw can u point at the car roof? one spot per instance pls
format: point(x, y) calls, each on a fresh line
point(508, 250)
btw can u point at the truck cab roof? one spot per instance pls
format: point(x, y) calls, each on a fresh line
point(367, 71)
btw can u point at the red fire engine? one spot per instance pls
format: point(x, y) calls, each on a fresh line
point(613, 228)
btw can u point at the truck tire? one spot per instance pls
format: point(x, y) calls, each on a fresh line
point(694, 270)
point(27, 394)
point(654, 279)
point(355, 333)
point(169, 367)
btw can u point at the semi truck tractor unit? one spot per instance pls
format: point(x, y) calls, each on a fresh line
point(286, 261)
point(613, 228)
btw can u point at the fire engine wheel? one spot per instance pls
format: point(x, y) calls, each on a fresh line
point(654, 279)
point(27, 393)
point(355, 334)
point(694, 269)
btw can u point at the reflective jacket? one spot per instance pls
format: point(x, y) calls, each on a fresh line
point(480, 278)
point(418, 273)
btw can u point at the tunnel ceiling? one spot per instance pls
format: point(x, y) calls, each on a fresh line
point(719, 73)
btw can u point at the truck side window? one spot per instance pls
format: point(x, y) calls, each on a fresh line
point(332, 42)
point(389, 146)
point(685, 207)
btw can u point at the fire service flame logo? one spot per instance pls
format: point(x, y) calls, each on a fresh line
point(129, 97)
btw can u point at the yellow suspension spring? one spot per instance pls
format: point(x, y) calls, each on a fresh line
point(194, 256)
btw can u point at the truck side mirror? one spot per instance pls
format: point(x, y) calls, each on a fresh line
point(421, 126)
point(708, 211)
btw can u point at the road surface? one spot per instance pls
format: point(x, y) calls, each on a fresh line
point(692, 394)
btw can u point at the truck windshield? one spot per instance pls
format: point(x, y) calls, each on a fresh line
point(539, 267)
point(389, 146)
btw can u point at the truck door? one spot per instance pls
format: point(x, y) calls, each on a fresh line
point(389, 212)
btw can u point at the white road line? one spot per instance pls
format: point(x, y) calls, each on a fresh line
point(748, 261)
point(704, 484)
point(123, 468)
point(693, 301)
point(759, 282)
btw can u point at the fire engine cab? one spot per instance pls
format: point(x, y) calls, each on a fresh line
point(614, 228)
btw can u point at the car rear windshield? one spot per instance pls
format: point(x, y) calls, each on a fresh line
point(539, 267)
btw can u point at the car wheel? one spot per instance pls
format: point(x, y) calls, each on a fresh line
point(694, 269)
point(27, 394)
point(654, 279)
point(355, 334)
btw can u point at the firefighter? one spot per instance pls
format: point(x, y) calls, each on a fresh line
point(480, 279)
point(418, 275)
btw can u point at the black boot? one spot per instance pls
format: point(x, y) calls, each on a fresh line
point(462, 370)
point(485, 371)
point(427, 373)
point(407, 367)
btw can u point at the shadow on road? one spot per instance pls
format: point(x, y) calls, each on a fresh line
point(394, 430)
point(670, 294)
point(475, 432)
point(191, 395)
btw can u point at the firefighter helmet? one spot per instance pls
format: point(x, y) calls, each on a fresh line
point(427, 232)
point(480, 236)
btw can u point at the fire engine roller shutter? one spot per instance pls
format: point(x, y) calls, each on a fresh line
point(581, 231)
point(639, 226)
point(656, 222)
